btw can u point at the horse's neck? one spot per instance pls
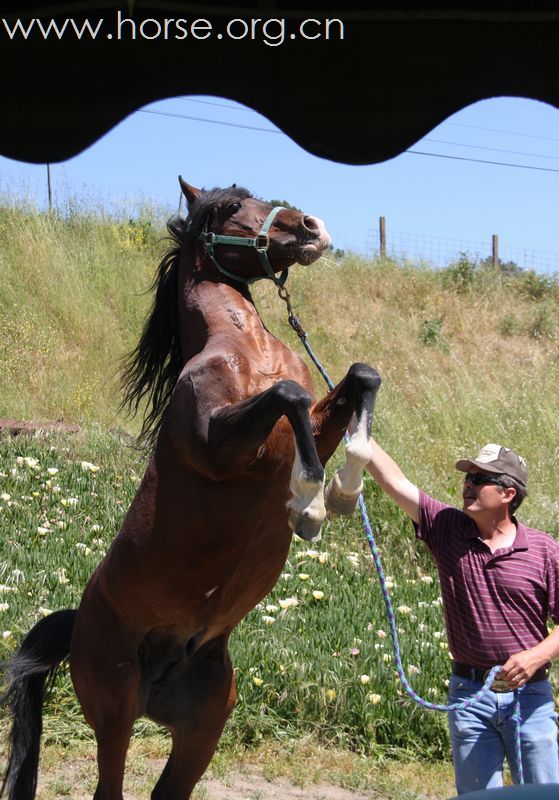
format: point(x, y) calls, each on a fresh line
point(209, 309)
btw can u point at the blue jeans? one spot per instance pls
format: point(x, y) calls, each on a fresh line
point(482, 736)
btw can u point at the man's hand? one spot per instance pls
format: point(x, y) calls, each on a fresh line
point(520, 667)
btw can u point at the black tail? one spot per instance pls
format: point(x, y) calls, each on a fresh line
point(36, 661)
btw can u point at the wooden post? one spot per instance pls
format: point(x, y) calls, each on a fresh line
point(382, 236)
point(495, 252)
point(49, 188)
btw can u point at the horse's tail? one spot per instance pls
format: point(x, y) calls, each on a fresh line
point(46, 645)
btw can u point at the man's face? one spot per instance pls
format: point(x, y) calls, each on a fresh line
point(482, 497)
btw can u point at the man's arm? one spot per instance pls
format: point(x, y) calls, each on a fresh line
point(392, 480)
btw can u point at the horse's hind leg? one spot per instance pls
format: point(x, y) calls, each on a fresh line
point(107, 679)
point(194, 703)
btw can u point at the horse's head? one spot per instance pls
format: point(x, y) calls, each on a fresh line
point(234, 227)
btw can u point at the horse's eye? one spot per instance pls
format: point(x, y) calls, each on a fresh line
point(233, 208)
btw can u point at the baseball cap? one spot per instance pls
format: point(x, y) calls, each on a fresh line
point(498, 459)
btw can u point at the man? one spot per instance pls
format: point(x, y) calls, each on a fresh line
point(499, 583)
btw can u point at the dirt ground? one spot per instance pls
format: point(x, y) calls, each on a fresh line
point(255, 787)
point(75, 780)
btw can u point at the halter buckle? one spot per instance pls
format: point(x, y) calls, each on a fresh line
point(209, 238)
point(262, 241)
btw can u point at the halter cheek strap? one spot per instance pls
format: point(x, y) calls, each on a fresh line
point(260, 242)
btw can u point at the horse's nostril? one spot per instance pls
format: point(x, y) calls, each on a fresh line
point(311, 225)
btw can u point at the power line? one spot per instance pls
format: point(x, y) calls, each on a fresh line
point(455, 124)
point(492, 149)
point(498, 130)
point(212, 121)
point(482, 161)
point(277, 131)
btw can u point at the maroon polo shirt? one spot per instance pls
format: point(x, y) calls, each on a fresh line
point(495, 604)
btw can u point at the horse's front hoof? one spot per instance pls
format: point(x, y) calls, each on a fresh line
point(305, 526)
point(339, 502)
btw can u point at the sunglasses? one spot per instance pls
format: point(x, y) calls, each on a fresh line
point(479, 479)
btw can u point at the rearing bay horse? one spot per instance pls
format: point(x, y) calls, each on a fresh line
point(237, 465)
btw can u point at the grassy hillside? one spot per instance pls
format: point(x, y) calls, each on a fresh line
point(465, 358)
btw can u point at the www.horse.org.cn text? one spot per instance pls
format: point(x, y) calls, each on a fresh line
point(269, 31)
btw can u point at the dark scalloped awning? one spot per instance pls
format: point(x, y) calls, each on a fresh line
point(399, 71)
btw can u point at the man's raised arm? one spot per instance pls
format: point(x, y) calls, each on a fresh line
point(392, 480)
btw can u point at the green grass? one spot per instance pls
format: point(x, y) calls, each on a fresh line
point(463, 362)
point(313, 659)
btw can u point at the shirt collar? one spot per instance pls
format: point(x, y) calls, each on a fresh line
point(520, 542)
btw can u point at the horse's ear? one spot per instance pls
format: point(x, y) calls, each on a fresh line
point(190, 192)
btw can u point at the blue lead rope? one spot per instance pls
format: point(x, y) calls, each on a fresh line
point(465, 704)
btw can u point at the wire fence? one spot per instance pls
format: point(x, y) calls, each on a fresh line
point(438, 251)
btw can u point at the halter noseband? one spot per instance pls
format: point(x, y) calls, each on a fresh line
point(261, 242)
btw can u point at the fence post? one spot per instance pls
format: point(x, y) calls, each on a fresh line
point(495, 252)
point(49, 189)
point(382, 236)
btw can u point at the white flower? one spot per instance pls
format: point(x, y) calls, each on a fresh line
point(307, 554)
point(5, 496)
point(374, 698)
point(404, 609)
point(426, 579)
point(52, 470)
point(289, 602)
point(268, 620)
point(44, 612)
point(381, 634)
point(6, 634)
point(364, 679)
point(318, 595)
point(42, 530)
point(271, 608)
point(87, 466)
point(385, 658)
point(4, 606)
point(412, 670)
point(95, 527)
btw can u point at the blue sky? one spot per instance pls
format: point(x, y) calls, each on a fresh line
point(434, 207)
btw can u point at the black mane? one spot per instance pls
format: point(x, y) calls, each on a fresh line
point(152, 369)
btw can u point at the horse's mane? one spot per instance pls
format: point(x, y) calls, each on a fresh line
point(153, 367)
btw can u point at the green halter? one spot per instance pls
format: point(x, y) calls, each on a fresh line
point(261, 242)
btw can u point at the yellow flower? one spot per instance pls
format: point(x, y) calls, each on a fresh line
point(318, 595)
point(304, 576)
point(374, 698)
point(330, 694)
point(257, 681)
